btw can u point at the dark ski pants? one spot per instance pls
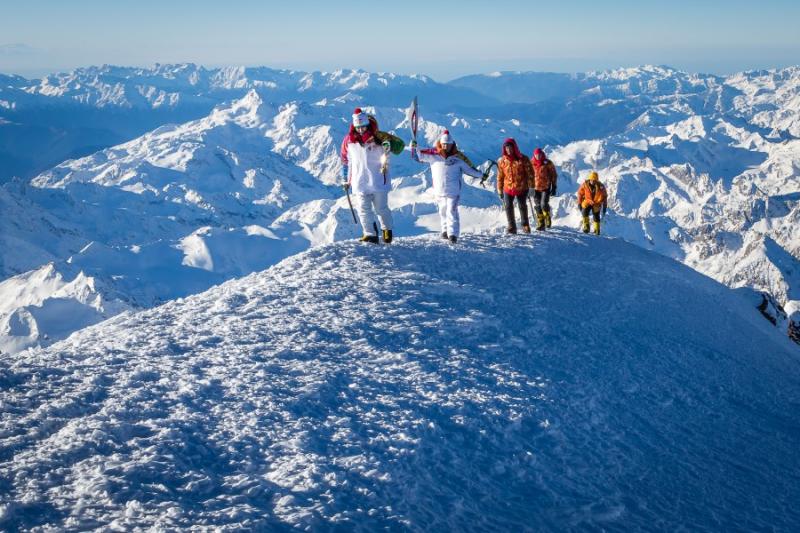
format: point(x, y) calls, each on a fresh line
point(541, 201)
point(594, 209)
point(522, 200)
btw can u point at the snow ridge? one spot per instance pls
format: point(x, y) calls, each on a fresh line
point(406, 387)
point(694, 170)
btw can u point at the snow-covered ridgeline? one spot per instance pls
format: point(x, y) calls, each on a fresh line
point(184, 207)
point(189, 205)
point(406, 387)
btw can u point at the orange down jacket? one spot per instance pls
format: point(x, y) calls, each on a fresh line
point(514, 177)
point(546, 175)
point(592, 195)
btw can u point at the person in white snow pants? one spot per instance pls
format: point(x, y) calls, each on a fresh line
point(365, 169)
point(448, 165)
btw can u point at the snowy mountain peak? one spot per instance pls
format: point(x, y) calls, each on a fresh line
point(648, 71)
point(396, 387)
point(249, 110)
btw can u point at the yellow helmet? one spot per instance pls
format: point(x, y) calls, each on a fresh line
point(593, 176)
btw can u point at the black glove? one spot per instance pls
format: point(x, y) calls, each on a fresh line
point(346, 187)
point(553, 190)
point(605, 209)
point(500, 194)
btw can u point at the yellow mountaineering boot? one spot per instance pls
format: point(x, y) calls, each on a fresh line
point(547, 220)
point(387, 236)
point(540, 222)
point(597, 227)
point(585, 226)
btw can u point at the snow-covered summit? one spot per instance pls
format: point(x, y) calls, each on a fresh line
point(186, 206)
point(551, 383)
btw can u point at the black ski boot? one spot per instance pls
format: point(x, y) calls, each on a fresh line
point(453, 239)
point(444, 235)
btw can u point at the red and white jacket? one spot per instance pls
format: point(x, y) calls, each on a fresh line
point(362, 155)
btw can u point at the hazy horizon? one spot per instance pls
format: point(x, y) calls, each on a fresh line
point(38, 73)
point(713, 37)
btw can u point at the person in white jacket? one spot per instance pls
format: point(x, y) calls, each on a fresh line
point(448, 165)
point(365, 169)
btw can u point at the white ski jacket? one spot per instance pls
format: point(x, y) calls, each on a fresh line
point(364, 163)
point(447, 172)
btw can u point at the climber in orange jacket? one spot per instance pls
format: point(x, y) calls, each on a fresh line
point(592, 197)
point(514, 178)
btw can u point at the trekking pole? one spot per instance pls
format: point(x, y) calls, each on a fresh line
point(352, 211)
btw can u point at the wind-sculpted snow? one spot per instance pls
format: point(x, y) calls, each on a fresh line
point(552, 383)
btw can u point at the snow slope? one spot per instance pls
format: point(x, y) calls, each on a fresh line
point(48, 304)
point(530, 383)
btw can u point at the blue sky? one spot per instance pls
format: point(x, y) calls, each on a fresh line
point(442, 39)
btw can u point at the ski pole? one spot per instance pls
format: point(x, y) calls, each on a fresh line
point(352, 211)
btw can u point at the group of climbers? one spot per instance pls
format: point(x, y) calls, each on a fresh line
point(365, 170)
point(516, 176)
